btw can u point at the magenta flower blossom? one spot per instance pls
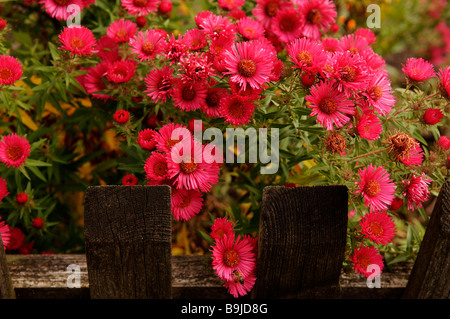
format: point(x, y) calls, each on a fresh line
point(416, 191)
point(186, 204)
point(78, 40)
point(319, 16)
point(10, 70)
point(140, 7)
point(330, 105)
point(14, 150)
point(418, 70)
point(249, 63)
point(378, 227)
point(376, 187)
point(230, 254)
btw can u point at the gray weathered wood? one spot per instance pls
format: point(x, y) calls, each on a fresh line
point(301, 242)
point(128, 236)
point(430, 276)
point(6, 287)
point(45, 277)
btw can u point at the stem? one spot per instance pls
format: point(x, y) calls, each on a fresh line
point(430, 96)
point(369, 154)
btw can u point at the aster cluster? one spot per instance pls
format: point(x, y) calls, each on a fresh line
point(284, 64)
point(233, 257)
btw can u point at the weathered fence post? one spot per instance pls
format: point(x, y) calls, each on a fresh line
point(6, 287)
point(430, 276)
point(128, 237)
point(301, 242)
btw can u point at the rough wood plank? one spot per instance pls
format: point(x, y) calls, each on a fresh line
point(45, 277)
point(430, 276)
point(128, 241)
point(301, 242)
point(6, 287)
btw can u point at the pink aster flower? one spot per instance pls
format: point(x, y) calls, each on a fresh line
point(122, 30)
point(219, 44)
point(215, 25)
point(107, 49)
point(194, 39)
point(418, 70)
point(121, 71)
point(369, 126)
point(415, 157)
point(22, 198)
point(367, 34)
point(147, 44)
point(363, 257)
point(195, 67)
point(237, 110)
point(319, 16)
point(376, 187)
point(230, 4)
point(159, 84)
point(212, 102)
point(416, 191)
point(331, 45)
point(146, 139)
point(221, 227)
point(186, 203)
point(140, 7)
point(230, 254)
point(266, 10)
point(240, 286)
point(3, 189)
point(78, 40)
point(14, 150)
point(189, 96)
point(10, 70)
point(5, 230)
point(249, 63)
point(432, 116)
point(378, 227)
point(129, 180)
point(121, 117)
point(170, 135)
point(201, 16)
point(444, 142)
point(350, 71)
point(58, 9)
point(330, 105)
point(444, 81)
point(374, 61)
point(175, 48)
point(94, 81)
point(155, 167)
point(379, 93)
point(307, 54)
point(247, 92)
point(187, 165)
point(288, 24)
point(249, 28)
point(354, 43)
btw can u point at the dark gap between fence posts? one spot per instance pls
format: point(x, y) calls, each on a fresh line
point(430, 276)
point(6, 287)
point(301, 242)
point(128, 238)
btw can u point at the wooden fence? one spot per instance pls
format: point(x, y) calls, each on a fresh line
point(301, 247)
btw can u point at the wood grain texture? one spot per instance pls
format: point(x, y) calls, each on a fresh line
point(128, 241)
point(45, 277)
point(6, 287)
point(301, 242)
point(430, 276)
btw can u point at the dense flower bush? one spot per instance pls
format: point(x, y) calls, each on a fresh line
point(117, 97)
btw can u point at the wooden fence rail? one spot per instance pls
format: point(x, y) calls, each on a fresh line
point(301, 247)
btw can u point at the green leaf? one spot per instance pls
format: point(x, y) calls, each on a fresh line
point(31, 162)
